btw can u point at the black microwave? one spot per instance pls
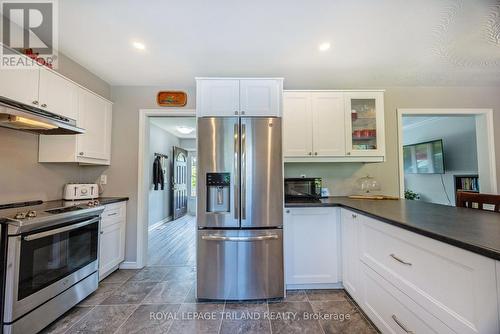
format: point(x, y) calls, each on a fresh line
point(302, 188)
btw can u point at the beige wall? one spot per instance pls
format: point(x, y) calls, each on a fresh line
point(21, 176)
point(122, 175)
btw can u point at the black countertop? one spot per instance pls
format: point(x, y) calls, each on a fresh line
point(111, 200)
point(475, 230)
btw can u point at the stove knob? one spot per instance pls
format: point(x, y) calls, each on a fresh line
point(90, 204)
point(31, 214)
point(20, 215)
point(96, 202)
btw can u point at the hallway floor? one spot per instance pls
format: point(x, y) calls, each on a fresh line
point(173, 243)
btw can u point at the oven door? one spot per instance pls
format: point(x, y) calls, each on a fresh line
point(42, 264)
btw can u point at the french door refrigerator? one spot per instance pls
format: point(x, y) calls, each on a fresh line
point(240, 208)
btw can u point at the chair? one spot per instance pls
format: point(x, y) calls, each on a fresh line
point(467, 200)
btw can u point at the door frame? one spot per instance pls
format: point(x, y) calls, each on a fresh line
point(142, 181)
point(484, 121)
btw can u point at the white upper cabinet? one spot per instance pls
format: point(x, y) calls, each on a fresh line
point(95, 118)
point(333, 126)
point(365, 135)
point(218, 97)
point(260, 97)
point(92, 147)
point(57, 94)
point(238, 97)
point(328, 118)
point(20, 85)
point(297, 125)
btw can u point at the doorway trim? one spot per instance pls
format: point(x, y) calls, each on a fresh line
point(485, 120)
point(142, 184)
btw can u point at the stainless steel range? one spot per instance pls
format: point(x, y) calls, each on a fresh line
point(50, 261)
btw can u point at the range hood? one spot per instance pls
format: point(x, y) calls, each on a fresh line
point(19, 116)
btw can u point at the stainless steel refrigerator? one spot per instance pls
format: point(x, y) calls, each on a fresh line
point(240, 208)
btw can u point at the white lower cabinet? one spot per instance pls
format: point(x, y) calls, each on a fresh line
point(392, 311)
point(112, 238)
point(350, 252)
point(405, 282)
point(312, 247)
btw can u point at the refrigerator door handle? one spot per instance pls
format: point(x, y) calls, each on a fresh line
point(215, 237)
point(236, 171)
point(243, 171)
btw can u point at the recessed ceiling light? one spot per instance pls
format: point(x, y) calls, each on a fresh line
point(139, 45)
point(324, 46)
point(185, 130)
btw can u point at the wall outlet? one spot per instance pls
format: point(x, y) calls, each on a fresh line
point(104, 179)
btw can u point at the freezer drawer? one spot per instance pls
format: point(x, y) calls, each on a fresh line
point(240, 264)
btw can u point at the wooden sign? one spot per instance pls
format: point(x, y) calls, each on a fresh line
point(171, 99)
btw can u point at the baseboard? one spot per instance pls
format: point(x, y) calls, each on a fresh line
point(129, 265)
point(314, 286)
point(163, 221)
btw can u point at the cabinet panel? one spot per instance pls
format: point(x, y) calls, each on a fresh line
point(312, 248)
point(297, 125)
point(112, 247)
point(392, 311)
point(218, 97)
point(459, 290)
point(20, 85)
point(364, 120)
point(350, 252)
point(95, 118)
point(260, 97)
point(58, 95)
point(328, 124)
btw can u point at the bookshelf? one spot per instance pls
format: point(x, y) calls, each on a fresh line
point(469, 183)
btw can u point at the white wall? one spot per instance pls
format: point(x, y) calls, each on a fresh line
point(160, 206)
point(460, 155)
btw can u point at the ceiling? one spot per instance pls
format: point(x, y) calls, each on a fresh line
point(170, 125)
point(373, 43)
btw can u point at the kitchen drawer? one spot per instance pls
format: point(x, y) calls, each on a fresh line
point(456, 286)
point(392, 311)
point(114, 213)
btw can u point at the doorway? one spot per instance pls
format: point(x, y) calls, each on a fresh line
point(443, 151)
point(167, 188)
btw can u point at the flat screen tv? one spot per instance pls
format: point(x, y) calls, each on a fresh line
point(424, 158)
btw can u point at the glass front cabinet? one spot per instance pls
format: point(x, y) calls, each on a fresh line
point(364, 124)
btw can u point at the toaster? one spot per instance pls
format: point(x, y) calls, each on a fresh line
point(80, 191)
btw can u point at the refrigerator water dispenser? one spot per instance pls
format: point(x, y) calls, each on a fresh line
point(218, 192)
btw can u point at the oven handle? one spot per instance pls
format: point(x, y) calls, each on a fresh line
point(60, 230)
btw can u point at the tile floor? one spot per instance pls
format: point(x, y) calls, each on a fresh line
point(162, 300)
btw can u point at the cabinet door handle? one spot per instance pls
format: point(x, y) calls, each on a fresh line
point(403, 327)
point(348, 153)
point(354, 216)
point(102, 232)
point(112, 214)
point(310, 153)
point(400, 260)
point(236, 112)
point(315, 153)
point(81, 153)
point(242, 112)
point(44, 105)
point(287, 211)
point(35, 102)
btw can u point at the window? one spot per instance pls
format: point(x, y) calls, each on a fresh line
point(193, 176)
